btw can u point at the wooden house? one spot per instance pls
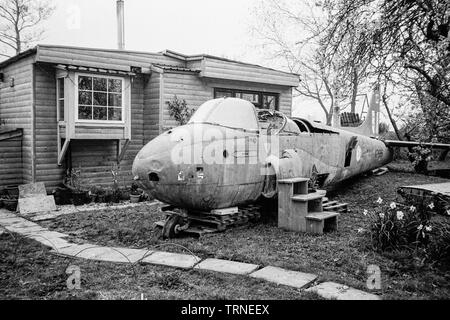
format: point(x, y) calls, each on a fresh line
point(94, 109)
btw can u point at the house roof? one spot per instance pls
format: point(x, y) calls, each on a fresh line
point(169, 67)
point(207, 66)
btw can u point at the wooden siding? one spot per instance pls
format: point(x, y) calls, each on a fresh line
point(185, 86)
point(47, 169)
point(151, 106)
point(221, 69)
point(11, 171)
point(196, 91)
point(16, 110)
point(96, 158)
point(100, 58)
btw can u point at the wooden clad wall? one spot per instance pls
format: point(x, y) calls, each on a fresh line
point(11, 162)
point(196, 91)
point(185, 86)
point(228, 70)
point(96, 158)
point(151, 106)
point(46, 150)
point(16, 110)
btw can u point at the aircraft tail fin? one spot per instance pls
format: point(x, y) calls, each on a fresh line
point(370, 126)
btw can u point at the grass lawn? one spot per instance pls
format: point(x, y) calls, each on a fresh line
point(342, 256)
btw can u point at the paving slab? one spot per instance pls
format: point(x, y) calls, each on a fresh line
point(45, 233)
point(32, 190)
point(284, 277)
point(37, 204)
point(135, 255)
point(75, 249)
point(176, 260)
point(55, 243)
point(26, 230)
point(10, 221)
point(5, 214)
point(227, 266)
point(332, 290)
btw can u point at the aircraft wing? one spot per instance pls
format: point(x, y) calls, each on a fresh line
point(408, 144)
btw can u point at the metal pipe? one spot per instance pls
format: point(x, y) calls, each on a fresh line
point(120, 25)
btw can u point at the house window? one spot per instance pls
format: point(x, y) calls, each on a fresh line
point(60, 98)
point(100, 98)
point(260, 100)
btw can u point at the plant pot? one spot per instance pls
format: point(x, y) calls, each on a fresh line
point(135, 198)
point(78, 198)
point(10, 204)
point(93, 197)
point(62, 196)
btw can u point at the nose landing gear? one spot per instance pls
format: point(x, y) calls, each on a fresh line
point(174, 225)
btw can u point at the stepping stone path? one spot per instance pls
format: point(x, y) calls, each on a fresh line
point(177, 260)
point(332, 290)
point(10, 222)
point(227, 266)
point(284, 277)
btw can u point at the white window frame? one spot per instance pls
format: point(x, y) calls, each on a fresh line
point(103, 122)
point(59, 98)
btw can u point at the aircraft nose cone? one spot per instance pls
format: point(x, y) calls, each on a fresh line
point(151, 162)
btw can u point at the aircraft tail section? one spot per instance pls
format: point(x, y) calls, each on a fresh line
point(370, 126)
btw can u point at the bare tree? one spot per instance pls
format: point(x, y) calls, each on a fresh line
point(408, 36)
point(292, 34)
point(20, 22)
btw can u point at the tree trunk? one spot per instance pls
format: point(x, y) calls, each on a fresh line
point(16, 29)
point(355, 91)
point(394, 125)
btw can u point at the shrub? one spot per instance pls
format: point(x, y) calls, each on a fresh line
point(400, 227)
point(421, 156)
point(179, 110)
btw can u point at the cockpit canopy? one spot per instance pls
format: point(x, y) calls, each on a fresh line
point(227, 112)
point(241, 114)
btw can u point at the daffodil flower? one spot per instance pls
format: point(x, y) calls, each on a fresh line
point(393, 205)
point(400, 215)
point(365, 212)
point(380, 201)
point(420, 227)
point(412, 209)
point(428, 228)
point(381, 215)
point(431, 206)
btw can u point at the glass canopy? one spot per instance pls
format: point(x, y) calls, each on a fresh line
point(227, 112)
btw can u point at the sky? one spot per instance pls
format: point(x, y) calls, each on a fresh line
point(216, 27)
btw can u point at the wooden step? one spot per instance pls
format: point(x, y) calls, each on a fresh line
point(342, 206)
point(307, 197)
point(293, 180)
point(320, 216)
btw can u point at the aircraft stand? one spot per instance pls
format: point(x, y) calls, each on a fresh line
point(198, 222)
